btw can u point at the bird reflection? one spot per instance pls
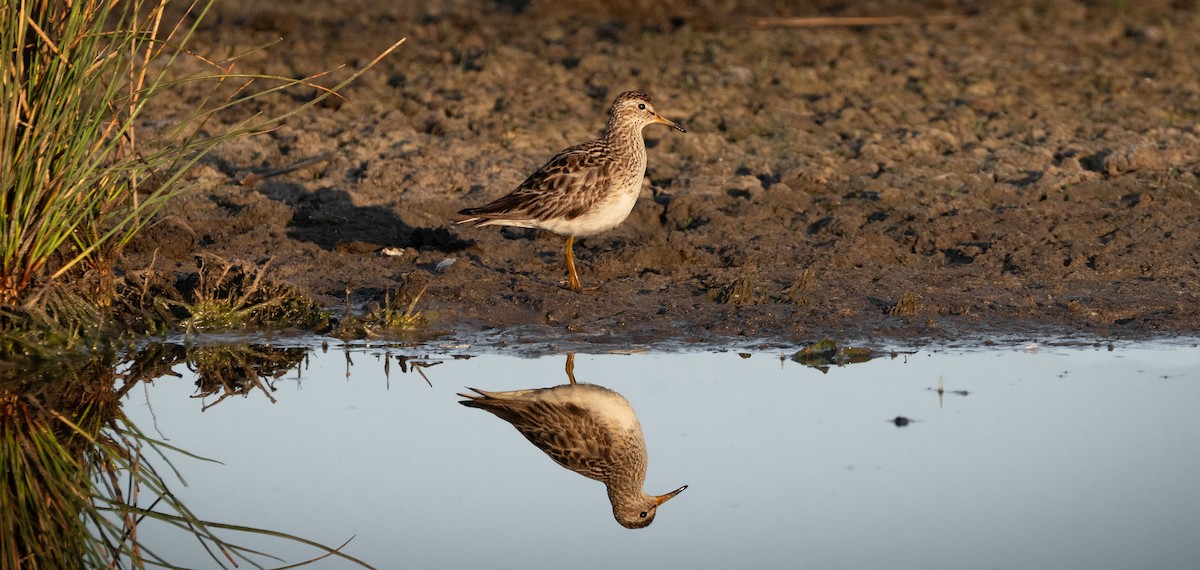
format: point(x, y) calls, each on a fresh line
point(588, 429)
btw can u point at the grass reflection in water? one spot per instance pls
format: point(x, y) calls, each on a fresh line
point(78, 478)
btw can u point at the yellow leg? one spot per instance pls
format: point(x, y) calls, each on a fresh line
point(572, 276)
point(571, 366)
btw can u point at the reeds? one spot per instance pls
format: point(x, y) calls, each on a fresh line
point(76, 182)
point(78, 179)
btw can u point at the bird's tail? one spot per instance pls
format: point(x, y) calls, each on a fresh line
point(472, 400)
point(473, 221)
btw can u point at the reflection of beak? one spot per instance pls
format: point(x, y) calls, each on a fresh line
point(664, 498)
point(668, 122)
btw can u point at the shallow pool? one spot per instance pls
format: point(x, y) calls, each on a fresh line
point(1030, 457)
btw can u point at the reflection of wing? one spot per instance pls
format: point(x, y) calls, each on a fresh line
point(568, 433)
point(566, 187)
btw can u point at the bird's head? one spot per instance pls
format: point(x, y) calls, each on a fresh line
point(635, 108)
point(640, 513)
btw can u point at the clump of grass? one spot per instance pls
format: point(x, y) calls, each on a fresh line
point(397, 315)
point(77, 179)
point(77, 183)
point(908, 305)
point(231, 295)
point(798, 292)
point(744, 291)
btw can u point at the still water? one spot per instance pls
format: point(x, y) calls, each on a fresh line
point(1031, 457)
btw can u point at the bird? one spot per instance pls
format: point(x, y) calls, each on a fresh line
point(586, 189)
point(588, 429)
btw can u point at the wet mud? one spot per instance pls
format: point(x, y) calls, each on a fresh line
point(1027, 168)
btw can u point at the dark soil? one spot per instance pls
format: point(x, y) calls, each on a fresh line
point(1031, 166)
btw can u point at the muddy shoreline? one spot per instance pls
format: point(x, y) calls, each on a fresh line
point(1029, 169)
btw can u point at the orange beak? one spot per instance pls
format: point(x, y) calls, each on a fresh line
point(664, 498)
point(668, 122)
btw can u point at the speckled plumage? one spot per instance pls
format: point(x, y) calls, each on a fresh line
point(588, 429)
point(586, 189)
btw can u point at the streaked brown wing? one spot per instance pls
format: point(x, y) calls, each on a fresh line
point(565, 187)
point(571, 437)
point(568, 433)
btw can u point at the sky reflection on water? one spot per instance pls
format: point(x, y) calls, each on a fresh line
point(1063, 458)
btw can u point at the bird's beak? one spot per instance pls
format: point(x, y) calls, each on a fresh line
point(664, 498)
point(668, 122)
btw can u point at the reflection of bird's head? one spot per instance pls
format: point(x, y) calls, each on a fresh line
point(640, 513)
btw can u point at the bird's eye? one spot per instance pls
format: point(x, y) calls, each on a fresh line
point(643, 513)
point(642, 106)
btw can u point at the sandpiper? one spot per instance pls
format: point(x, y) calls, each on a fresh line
point(586, 189)
point(588, 429)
